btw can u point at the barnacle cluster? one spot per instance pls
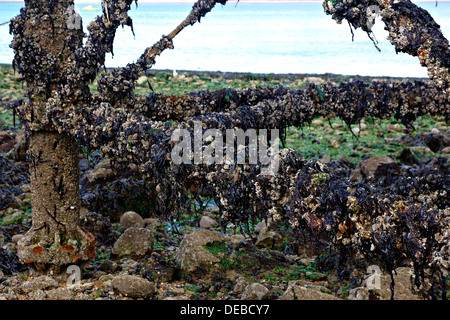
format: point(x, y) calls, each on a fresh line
point(389, 219)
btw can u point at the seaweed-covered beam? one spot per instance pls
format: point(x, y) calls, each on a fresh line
point(411, 30)
point(132, 134)
point(348, 100)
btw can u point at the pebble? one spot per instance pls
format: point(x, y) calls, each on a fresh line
point(334, 144)
point(15, 238)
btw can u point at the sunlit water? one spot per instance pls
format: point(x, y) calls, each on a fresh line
point(258, 38)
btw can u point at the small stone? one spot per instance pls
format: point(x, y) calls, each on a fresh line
point(141, 80)
point(45, 283)
point(334, 144)
point(131, 219)
point(60, 294)
point(207, 222)
point(255, 291)
point(132, 286)
point(134, 242)
point(372, 167)
point(241, 284)
point(15, 238)
point(192, 254)
point(393, 128)
point(435, 130)
point(325, 158)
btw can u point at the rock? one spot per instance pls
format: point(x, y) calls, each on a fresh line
point(60, 294)
point(134, 287)
point(317, 122)
point(236, 239)
point(44, 283)
point(298, 290)
point(393, 128)
point(131, 219)
point(436, 141)
point(445, 150)
point(336, 125)
point(11, 217)
point(128, 265)
point(325, 158)
point(255, 291)
point(334, 144)
point(15, 238)
point(423, 154)
point(359, 294)
point(206, 222)
point(241, 284)
point(108, 266)
point(177, 298)
point(435, 130)
point(372, 167)
point(6, 141)
point(134, 242)
point(269, 239)
point(192, 254)
point(407, 157)
point(362, 126)
point(141, 80)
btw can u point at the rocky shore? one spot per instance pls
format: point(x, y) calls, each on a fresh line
point(143, 256)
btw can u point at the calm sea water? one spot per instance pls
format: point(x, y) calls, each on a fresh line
point(258, 38)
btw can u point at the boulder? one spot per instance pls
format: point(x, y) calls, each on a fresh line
point(134, 242)
point(132, 286)
point(241, 284)
point(255, 291)
point(44, 283)
point(130, 219)
point(268, 238)
point(206, 222)
point(192, 254)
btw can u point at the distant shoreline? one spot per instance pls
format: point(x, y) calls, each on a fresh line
point(274, 75)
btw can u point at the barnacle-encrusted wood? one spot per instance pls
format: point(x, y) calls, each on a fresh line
point(44, 50)
point(403, 216)
point(51, 57)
